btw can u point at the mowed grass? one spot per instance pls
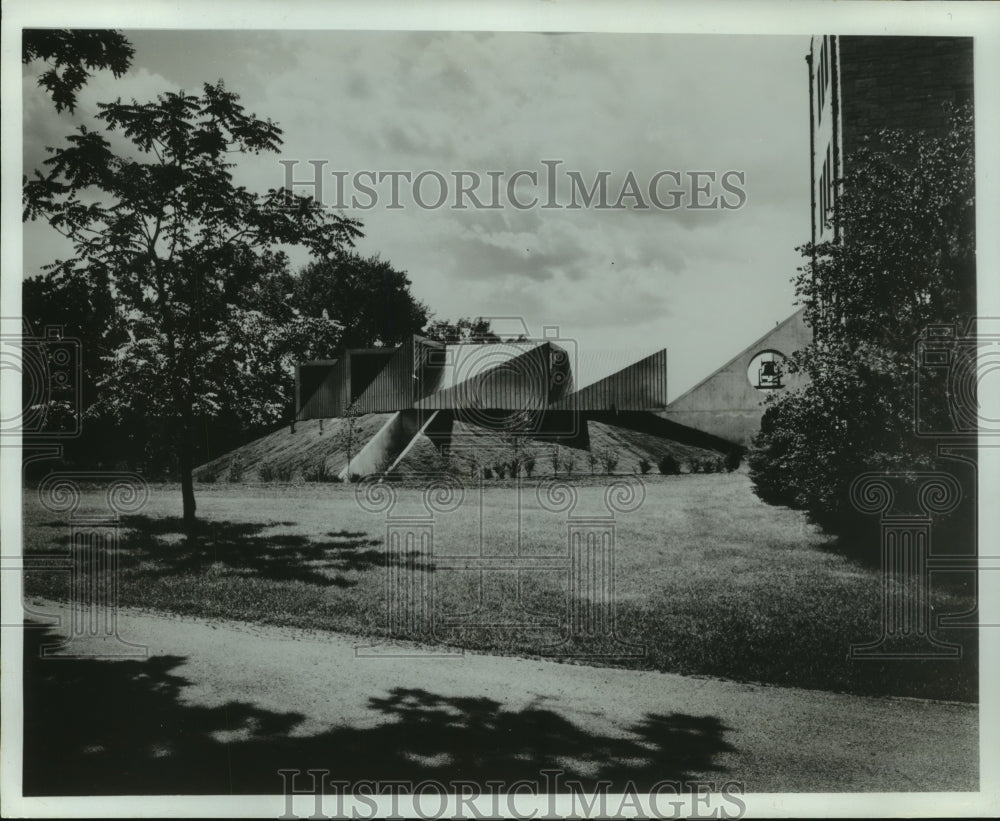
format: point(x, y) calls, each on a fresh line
point(708, 580)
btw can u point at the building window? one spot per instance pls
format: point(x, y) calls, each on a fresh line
point(820, 74)
point(829, 179)
point(823, 73)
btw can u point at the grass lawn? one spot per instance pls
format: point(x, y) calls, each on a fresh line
point(708, 579)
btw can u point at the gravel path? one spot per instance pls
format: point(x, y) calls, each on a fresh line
point(220, 706)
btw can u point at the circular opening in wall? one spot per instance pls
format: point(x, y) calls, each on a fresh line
point(766, 371)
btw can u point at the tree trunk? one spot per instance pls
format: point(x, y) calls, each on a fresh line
point(185, 457)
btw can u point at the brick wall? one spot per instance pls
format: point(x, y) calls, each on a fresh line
point(901, 82)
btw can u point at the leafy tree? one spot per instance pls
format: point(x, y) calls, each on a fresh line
point(370, 298)
point(84, 311)
point(71, 55)
point(463, 330)
point(189, 255)
point(905, 259)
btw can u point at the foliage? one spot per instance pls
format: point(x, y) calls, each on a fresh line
point(555, 459)
point(732, 461)
point(462, 330)
point(608, 460)
point(568, 462)
point(71, 55)
point(366, 295)
point(192, 258)
point(236, 471)
point(905, 260)
point(644, 466)
point(319, 472)
point(347, 436)
point(668, 465)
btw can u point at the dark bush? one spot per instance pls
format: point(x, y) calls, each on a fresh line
point(668, 465)
point(235, 471)
point(732, 461)
point(644, 466)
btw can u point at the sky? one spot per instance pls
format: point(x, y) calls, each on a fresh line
point(703, 283)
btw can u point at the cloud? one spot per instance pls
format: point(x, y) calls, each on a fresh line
point(484, 101)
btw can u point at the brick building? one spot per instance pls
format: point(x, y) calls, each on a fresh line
point(858, 85)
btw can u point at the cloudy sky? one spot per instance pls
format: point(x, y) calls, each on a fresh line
point(703, 283)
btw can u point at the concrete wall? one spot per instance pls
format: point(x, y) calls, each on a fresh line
point(385, 446)
point(726, 404)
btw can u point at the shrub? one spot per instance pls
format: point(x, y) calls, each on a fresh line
point(569, 463)
point(644, 466)
point(732, 461)
point(500, 469)
point(265, 472)
point(592, 461)
point(475, 466)
point(668, 465)
point(908, 197)
point(529, 466)
point(209, 476)
point(555, 459)
point(694, 466)
point(609, 460)
point(318, 472)
point(236, 471)
point(487, 473)
point(513, 468)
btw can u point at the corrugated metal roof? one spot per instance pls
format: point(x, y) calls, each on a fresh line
point(593, 365)
point(465, 361)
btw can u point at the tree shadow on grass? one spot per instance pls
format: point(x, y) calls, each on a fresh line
point(165, 547)
point(100, 727)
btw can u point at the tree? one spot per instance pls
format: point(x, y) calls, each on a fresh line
point(476, 331)
point(71, 55)
point(189, 255)
point(905, 260)
point(84, 311)
point(369, 297)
